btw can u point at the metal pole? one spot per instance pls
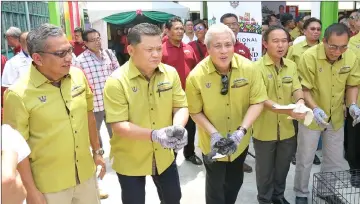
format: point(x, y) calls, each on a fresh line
point(27, 16)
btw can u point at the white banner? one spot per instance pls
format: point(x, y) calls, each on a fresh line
point(250, 20)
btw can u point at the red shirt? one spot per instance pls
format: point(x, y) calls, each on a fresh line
point(183, 58)
point(164, 39)
point(202, 47)
point(123, 40)
point(17, 49)
point(241, 49)
point(78, 47)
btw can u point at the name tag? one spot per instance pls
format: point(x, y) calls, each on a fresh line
point(344, 70)
point(287, 80)
point(77, 90)
point(240, 82)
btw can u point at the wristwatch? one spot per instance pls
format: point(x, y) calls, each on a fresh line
point(99, 152)
point(244, 130)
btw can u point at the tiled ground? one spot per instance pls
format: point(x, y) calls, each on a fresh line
point(192, 180)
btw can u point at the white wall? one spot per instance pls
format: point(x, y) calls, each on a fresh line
point(347, 5)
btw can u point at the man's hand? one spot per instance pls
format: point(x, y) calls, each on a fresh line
point(297, 116)
point(355, 113)
point(99, 161)
point(214, 139)
point(226, 146)
point(35, 197)
point(320, 116)
point(165, 136)
point(237, 136)
point(12, 190)
point(180, 133)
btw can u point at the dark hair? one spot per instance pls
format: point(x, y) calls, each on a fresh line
point(172, 20)
point(205, 19)
point(281, 6)
point(78, 30)
point(268, 18)
point(266, 22)
point(199, 21)
point(342, 17)
point(228, 15)
point(272, 28)
point(338, 29)
point(310, 20)
point(147, 29)
point(88, 31)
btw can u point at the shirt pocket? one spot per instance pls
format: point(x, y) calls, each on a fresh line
point(240, 89)
point(287, 83)
point(343, 74)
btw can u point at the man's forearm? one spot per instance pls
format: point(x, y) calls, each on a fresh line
point(298, 96)
point(252, 113)
point(268, 104)
point(93, 133)
point(351, 94)
point(201, 120)
point(26, 175)
point(181, 116)
point(131, 131)
point(309, 100)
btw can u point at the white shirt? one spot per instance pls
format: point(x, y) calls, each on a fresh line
point(12, 140)
point(299, 39)
point(14, 68)
point(186, 39)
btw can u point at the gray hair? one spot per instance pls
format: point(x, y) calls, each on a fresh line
point(13, 32)
point(218, 29)
point(36, 39)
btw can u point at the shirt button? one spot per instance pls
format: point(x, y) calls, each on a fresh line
point(279, 97)
point(153, 123)
point(77, 160)
point(228, 117)
point(152, 109)
point(229, 130)
point(75, 131)
point(155, 149)
point(227, 104)
point(72, 116)
point(150, 94)
point(77, 146)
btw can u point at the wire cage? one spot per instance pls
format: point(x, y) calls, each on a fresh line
point(342, 187)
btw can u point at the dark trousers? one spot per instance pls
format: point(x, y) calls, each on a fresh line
point(189, 149)
point(272, 166)
point(352, 150)
point(224, 180)
point(167, 184)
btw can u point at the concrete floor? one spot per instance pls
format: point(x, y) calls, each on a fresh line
point(192, 179)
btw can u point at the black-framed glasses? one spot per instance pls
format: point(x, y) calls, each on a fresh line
point(61, 53)
point(225, 83)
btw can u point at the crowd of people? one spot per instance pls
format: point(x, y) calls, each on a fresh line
point(183, 79)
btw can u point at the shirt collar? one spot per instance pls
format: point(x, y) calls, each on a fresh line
point(134, 71)
point(38, 78)
point(168, 44)
point(25, 54)
point(268, 61)
point(234, 64)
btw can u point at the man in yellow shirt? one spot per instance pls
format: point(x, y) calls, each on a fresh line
point(329, 72)
point(225, 97)
point(147, 109)
point(312, 31)
point(274, 140)
point(51, 106)
point(352, 139)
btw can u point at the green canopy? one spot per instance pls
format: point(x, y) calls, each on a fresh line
point(138, 16)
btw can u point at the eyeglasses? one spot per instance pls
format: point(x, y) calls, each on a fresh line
point(225, 83)
point(198, 28)
point(342, 48)
point(60, 54)
point(95, 40)
point(313, 29)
